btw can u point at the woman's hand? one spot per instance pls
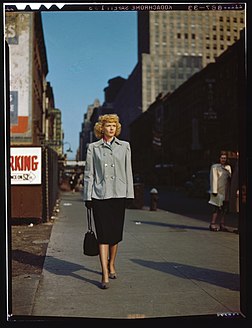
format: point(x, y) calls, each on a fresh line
point(88, 204)
point(129, 202)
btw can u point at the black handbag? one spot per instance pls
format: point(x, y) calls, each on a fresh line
point(90, 243)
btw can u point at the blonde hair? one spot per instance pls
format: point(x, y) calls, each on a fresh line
point(103, 119)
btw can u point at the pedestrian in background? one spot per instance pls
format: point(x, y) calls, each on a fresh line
point(220, 176)
point(73, 181)
point(108, 183)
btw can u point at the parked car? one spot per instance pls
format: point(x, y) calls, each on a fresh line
point(199, 184)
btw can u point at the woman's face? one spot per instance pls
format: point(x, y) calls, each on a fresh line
point(223, 159)
point(109, 129)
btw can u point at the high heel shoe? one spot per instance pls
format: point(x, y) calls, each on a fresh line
point(104, 285)
point(223, 228)
point(112, 275)
point(212, 227)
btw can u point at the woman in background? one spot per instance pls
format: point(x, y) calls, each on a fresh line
point(220, 177)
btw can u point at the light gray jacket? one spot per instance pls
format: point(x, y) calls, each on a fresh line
point(108, 171)
point(219, 184)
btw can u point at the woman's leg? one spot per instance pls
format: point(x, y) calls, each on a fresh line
point(213, 226)
point(112, 257)
point(104, 252)
point(214, 218)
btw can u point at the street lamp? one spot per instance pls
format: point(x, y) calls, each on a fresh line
point(69, 150)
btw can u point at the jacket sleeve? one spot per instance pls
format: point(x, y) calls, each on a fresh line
point(213, 180)
point(88, 175)
point(229, 170)
point(129, 175)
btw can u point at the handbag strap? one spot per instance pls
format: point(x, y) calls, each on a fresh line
point(89, 213)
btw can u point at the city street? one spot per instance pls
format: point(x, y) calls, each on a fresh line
point(176, 89)
point(168, 265)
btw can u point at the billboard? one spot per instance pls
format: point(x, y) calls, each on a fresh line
point(19, 37)
point(26, 165)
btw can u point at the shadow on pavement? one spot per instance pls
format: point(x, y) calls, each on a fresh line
point(55, 266)
point(66, 268)
point(219, 278)
point(174, 226)
point(28, 258)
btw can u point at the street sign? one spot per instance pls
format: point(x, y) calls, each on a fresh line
point(26, 165)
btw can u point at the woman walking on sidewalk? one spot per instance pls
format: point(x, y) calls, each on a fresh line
point(108, 183)
point(220, 176)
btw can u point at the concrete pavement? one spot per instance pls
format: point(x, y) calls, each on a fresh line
point(168, 265)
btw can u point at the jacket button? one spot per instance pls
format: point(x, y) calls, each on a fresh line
point(112, 165)
point(112, 178)
point(106, 164)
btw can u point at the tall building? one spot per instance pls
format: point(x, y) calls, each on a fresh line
point(185, 130)
point(86, 134)
point(173, 45)
point(28, 70)
point(34, 166)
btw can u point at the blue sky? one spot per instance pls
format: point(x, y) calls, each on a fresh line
point(85, 50)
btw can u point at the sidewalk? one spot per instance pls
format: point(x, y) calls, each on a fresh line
point(168, 265)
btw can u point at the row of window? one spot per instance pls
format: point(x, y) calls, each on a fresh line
point(186, 36)
point(235, 19)
point(221, 36)
point(188, 63)
point(227, 29)
point(192, 17)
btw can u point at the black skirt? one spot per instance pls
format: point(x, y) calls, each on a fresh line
point(109, 219)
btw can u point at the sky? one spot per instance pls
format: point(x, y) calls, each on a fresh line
point(84, 50)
